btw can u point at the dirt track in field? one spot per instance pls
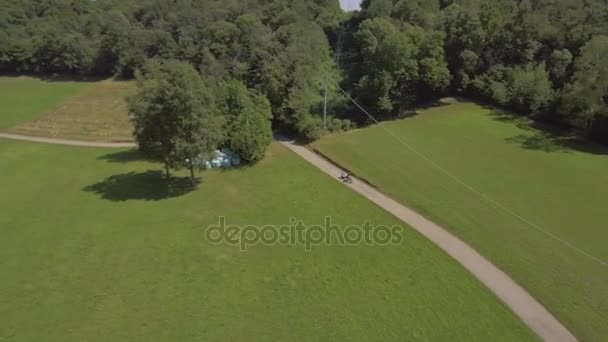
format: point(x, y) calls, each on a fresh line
point(530, 311)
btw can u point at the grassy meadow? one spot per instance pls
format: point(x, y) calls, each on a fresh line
point(25, 98)
point(93, 248)
point(558, 184)
point(94, 111)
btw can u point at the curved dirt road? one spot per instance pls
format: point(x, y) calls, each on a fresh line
point(66, 142)
point(531, 312)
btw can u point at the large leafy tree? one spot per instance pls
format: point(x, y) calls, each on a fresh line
point(530, 89)
point(389, 65)
point(174, 115)
point(248, 122)
point(401, 65)
point(586, 97)
point(464, 41)
point(293, 80)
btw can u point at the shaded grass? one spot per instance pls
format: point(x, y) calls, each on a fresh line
point(151, 185)
point(26, 98)
point(78, 265)
point(558, 183)
point(536, 135)
point(98, 114)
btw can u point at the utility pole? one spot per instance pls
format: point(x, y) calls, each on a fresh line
point(339, 49)
point(325, 105)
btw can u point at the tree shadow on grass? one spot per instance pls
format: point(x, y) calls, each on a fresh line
point(122, 157)
point(147, 186)
point(546, 137)
point(57, 77)
point(503, 115)
point(421, 108)
point(549, 142)
point(539, 141)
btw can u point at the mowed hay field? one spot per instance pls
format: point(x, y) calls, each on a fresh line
point(558, 185)
point(95, 111)
point(93, 249)
point(25, 98)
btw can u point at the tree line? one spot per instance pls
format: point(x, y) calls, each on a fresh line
point(544, 58)
point(275, 48)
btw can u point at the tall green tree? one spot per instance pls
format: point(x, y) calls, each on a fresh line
point(248, 122)
point(586, 97)
point(174, 115)
point(464, 42)
point(560, 64)
point(401, 65)
point(389, 66)
point(530, 89)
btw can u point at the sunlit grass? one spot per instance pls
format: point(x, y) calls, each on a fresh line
point(23, 99)
point(98, 113)
point(558, 184)
point(94, 248)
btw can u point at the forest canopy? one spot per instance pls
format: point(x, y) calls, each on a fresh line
point(544, 58)
point(275, 48)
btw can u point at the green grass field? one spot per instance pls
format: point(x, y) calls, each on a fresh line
point(92, 249)
point(24, 98)
point(95, 111)
point(98, 113)
point(553, 182)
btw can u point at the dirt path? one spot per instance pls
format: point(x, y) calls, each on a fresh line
point(66, 142)
point(514, 296)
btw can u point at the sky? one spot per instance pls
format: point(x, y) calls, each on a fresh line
point(350, 5)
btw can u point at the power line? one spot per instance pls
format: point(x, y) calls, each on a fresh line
point(472, 189)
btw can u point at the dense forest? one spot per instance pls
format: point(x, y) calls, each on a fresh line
point(544, 58)
point(276, 48)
